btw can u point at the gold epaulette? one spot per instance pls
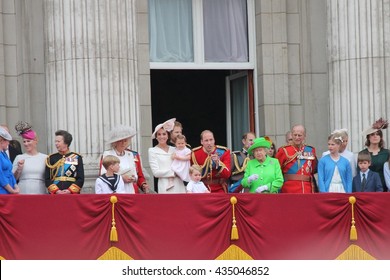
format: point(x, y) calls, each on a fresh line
point(284, 146)
point(222, 147)
point(77, 154)
point(197, 148)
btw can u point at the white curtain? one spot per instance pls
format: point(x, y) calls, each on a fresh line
point(170, 29)
point(225, 30)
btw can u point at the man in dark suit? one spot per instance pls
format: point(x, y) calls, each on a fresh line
point(366, 180)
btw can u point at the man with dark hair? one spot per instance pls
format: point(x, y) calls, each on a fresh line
point(64, 170)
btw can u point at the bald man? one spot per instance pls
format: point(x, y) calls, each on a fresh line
point(299, 163)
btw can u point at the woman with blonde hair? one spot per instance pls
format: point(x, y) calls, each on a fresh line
point(334, 170)
point(29, 168)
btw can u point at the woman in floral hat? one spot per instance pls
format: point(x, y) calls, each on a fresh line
point(375, 145)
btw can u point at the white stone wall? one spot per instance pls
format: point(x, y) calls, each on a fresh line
point(359, 53)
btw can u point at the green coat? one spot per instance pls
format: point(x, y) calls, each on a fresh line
point(269, 172)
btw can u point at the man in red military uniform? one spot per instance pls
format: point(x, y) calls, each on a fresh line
point(215, 162)
point(299, 164)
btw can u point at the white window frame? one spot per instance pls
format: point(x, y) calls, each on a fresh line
point(199, 63)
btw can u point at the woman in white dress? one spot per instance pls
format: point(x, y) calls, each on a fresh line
point(160, 160)
point(119, 139)
point(29, 167)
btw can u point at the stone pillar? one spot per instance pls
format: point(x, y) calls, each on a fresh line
point(8, 65)
point(359, 80)
point(91, 73)
point(292, 68)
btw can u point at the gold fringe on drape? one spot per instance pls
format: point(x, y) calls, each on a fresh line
point(234, 233)
point(115, 253)
point(353, 232)
point(354, 252)
point(234, 253)
point(113, 233)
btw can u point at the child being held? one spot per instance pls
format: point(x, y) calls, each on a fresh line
point(181, 159)
point(366, 180)
point(110, 182)
point(195, 185)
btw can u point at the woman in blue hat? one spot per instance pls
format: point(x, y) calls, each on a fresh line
point(7, 180)
point(263, 173)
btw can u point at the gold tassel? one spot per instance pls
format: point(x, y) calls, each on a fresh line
point(353, 232)
point(113, 233)
point(234, 233)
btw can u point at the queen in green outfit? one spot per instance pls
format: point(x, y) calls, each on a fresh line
point(263, 173)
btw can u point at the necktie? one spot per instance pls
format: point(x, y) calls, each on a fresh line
point(364, 181)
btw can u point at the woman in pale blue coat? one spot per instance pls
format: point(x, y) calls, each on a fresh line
point(334, 171)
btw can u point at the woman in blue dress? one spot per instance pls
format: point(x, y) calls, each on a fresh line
point(7, 179)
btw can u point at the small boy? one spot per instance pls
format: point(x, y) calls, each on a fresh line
point(366, 180)
point(110, 182)
point(195, 185)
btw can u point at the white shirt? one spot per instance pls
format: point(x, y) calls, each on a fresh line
point(196, 187)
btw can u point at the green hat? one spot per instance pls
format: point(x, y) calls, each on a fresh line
point(259, 142)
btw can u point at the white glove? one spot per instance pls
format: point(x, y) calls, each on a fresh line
point(261, 189)
point(252, 178)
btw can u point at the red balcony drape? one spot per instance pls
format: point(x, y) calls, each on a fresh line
point(192, 226)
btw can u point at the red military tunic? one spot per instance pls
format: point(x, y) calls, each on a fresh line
point(298, 167)
point(214, 177)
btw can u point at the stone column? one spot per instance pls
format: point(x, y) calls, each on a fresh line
point(91, 72)
point(359, 80)
point(292, 68)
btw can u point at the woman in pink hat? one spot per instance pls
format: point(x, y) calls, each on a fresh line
point(29, 168)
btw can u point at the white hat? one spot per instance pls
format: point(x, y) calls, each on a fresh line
point(168, 126)
point(120, 132)
point(4, 134)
